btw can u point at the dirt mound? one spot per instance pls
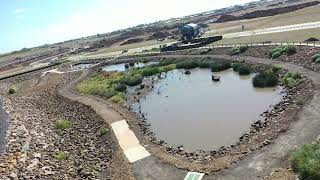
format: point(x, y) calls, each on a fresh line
point(159, 35)
point(131, 41)
point(267, 12)
point(226, 18)
point(312, 39)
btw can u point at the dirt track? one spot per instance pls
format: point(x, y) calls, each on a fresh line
point(255, 166)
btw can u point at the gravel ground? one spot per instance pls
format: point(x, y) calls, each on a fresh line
point(3, 127)
point(34, 140)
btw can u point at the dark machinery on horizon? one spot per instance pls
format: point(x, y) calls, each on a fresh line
point(191, 38)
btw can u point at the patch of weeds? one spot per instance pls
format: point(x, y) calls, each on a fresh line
point(220, 66)
point(280, 50)
point(235, 66)
point(132, 80)
point(118, 98)
point(244, 70)
point(306, 161)
point(150, 71)
point(63, 124)
point(315, 57)
point(265, 78)
point(103, 131)
point(12, 90)
point(189, 64)
point(276, 68)
point(205, 64)
point(239, 50)
point(299, 102)
point(292, 79)
point(61, 156)
point(120, 87)
point(168, 68)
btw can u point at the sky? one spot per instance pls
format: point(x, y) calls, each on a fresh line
point(30, 23)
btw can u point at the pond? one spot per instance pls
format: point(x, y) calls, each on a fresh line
point(193, 111)
point(121, 67)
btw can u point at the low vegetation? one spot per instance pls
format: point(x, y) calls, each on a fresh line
point(306, 161)
point(63, 124)
point(292, 79)
point(316, 58)
point(281, 50)
point(61, 156)
point(244, 70)
point(220, 66)
point(235, 66)
point(267, 78)
point(239, 50)
point(12, 90)
point(103, 131)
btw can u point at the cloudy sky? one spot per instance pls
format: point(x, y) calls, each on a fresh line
point(28, 23)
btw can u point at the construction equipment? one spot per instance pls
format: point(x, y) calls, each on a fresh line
point(190, 38)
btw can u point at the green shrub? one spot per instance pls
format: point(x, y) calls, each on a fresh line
point(126, 66)
point(239, 50)
point(280, 50)
point(306, 161)
point(204, 64)
point(131, 63)
point(103, 92)
point(150, 71)
point(276, 55)
point(216, 66)
point(265, 79)
point(118, 98)
point(131, 80)
point(165, 62)
point(61, 156)
point(63, 124)
point(317, 60)
point(168, 68)
point(187, 64)
point(315, 57)
point(235, 66)
point(120, 87)
point(244, 70)
point(103, 131)
point(12, 90)
point(235, 51)
point(289, 49)
point(292, 79)
point(276, 68)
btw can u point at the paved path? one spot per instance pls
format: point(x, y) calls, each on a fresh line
point(256, 165)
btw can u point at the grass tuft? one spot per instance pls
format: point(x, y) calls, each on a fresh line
point(61, 156)
point(266, 78)
point(103, 131)
point(292, 79)
point(63, 124)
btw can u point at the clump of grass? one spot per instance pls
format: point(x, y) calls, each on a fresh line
point(220, 66)
point(12, 90)
point(61, 156)
point(239, 50)
point(150, 71)
point(315, 57)
point(292, 79)
point(318, 61)
point(266, 78)
point(118, 98)
point(306, 161)
point(276, 68)
point(299, 102)
point(244, 70)
point(103, 131)
point(204, 64)
point(280, 50)
point(63, 124)
point(167, 68)
point(235, 66)
point(132, 80)
point(165, 62)
point(189, 64)
point(120, 87)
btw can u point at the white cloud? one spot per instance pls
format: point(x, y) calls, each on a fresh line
point(20, 11)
